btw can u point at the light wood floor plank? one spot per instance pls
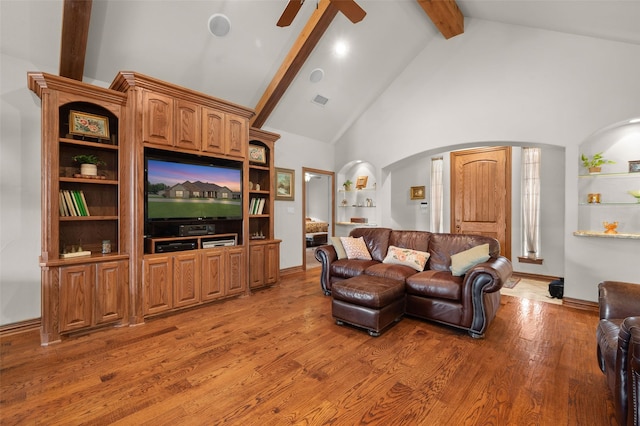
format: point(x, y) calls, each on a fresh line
point(277, 358)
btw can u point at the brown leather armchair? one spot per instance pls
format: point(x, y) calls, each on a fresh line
point(618, 337)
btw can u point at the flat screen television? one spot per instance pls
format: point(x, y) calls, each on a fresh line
point(184, 189)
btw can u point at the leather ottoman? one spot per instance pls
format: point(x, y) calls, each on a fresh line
point(369, 302)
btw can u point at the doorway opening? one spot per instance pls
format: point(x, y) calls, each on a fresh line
point(318, 212)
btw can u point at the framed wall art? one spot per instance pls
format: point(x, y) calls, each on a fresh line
point(361, 182)
point(85, 124)
point(634, 166)
point(417, 193)
point(285, 184)
point(257, 154)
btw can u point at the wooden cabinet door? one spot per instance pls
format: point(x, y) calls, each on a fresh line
point(76, 288)
point(186, 280)
point(237, 136)
point(111, 287)
point(272, 263)
point(235, 271)
point(212, 131)
point(157, 286)
point(157, 118)
point(256, 266)
point(213, 275)
point(187, 125)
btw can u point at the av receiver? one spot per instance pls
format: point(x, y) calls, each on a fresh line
point(194, 230)
point(169, 246)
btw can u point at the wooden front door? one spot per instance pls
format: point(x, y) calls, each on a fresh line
point(481, 194)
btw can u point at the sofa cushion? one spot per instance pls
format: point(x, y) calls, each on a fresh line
point(416, 240)
point(437, 284)
point(465, 260)
point(355, 248)
point(443, 246)
point(404, 256)
point(372, 292)
point(377, 240)
point(346, 268)
point(386, 270)
point(337, 244)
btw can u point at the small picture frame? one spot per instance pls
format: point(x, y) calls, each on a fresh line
point(257, 154)
point(417, 193)
point(285, 184)
point(634, 166)
point(85, 124)
point(361, 182)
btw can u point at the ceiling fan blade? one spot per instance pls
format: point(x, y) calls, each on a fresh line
point(350, 9)
point(289, 13)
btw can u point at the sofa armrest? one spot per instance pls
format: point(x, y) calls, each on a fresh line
point(499, 268)
point(618, 299)
point(634, 375)
point(325, 255)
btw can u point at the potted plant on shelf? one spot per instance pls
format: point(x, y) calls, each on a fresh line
point(347, 185)
point(595, 162)
point(88, 164)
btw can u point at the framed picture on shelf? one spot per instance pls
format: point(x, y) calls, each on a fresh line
point(285, 184)
point(85, 124)
point(417, 192)
point(257, 154)
point(361, 182)
point(634, 166)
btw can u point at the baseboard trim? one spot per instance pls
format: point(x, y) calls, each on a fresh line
point(292, 270)
point(534, 276)
point(585, 305)
point(19, 327)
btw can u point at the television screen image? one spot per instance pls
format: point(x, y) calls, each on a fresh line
point(187, 190)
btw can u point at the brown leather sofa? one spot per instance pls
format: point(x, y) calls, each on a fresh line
point(469, 302)
point(618, 351)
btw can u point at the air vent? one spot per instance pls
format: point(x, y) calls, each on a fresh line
point(320, 100)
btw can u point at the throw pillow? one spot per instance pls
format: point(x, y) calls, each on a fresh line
point(337, 244)
point(465, 260)
point(355, 248)
point(403, 256)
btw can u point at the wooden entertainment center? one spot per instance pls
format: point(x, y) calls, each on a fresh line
point(98, 266)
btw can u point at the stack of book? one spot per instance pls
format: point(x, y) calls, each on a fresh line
point(256, 206)
point(73, 203)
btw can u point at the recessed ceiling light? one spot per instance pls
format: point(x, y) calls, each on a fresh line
point(316, 75)
point(219, 25)
point(341, 48)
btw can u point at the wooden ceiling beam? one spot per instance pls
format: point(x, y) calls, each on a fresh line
point(445, 15)
point(75, 32)
point(300, 51)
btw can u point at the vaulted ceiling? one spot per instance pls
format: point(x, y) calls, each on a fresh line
point(266, 67)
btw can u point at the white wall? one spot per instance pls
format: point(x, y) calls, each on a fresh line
point(496, 83)
point(295, 152)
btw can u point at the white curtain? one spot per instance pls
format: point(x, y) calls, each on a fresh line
point(531, 201)
point(437, 195)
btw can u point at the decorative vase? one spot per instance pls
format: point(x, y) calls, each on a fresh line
point(89, 169)
point(593, 198)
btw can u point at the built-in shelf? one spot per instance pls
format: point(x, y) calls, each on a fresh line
point(603, 235)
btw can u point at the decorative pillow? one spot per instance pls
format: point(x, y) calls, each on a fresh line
point(465, 260)
point(403, 256)
point(337, 244)
point(355, 248)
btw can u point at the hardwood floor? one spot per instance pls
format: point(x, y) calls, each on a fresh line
point(277, 358)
